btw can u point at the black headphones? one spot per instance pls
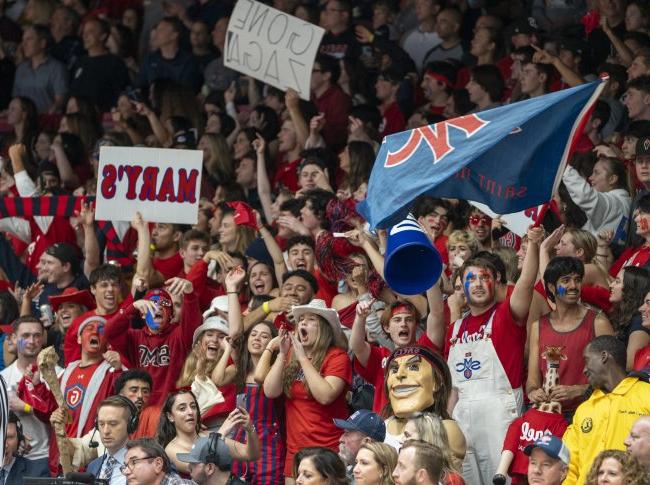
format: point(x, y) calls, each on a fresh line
point(131, 424)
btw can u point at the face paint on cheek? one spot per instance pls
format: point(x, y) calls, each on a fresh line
point(150, 321)
point(22, 343)
point(468, 279)
point(561, 290)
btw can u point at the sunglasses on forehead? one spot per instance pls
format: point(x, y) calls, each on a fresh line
point(476, 220)
point(161, 301)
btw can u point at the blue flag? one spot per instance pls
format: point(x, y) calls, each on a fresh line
point(509, 158)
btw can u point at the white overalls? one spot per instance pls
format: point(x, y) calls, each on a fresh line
point(487, 404)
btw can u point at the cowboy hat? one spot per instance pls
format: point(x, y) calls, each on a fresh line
point(319, 307)
point(73, 295)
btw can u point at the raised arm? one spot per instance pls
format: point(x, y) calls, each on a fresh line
point(273, 380)
point(264, 364)
point(358, 344)
point(547, 248)
point(92, 258)
point(69, 178)
point(233, 283)
point(263, 183)
point(223, 373)
point(249, 451)
point(436, 325)
point(144, 265)
point(292, 100)
point(272, 246)
point(522, 295)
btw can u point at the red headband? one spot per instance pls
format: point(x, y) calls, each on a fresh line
point(401, 309)
point(439, 77)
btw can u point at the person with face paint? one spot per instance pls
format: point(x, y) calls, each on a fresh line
point(159, 348)
point(84, 384)
point(632, 256)
point(570, 326)
point(106, 288)
point(485, 351)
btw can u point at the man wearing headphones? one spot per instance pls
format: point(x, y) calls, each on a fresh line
point(15, 467)
point(210, 462)
point(117, 417)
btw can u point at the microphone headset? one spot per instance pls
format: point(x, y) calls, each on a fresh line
point(131, 424)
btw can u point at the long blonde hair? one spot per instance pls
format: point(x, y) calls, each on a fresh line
point(431, 429)
point(188, 373)
point(386, 458)
point(587, 242)
point(325, 340)
point(219, 163)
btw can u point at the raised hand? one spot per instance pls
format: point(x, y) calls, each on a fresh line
point(178, 286)
point(234, 279)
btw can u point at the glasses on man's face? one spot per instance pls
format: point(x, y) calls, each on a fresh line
point(130, 465)
point(476, 220)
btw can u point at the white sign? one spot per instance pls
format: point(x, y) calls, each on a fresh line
point(162, 184)
point(272, 46)
point(517, 222)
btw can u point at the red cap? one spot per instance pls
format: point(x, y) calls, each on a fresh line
point(73, 295)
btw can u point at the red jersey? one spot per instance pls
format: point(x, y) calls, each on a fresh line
point(311, 422)
point(527, 429)
point(335, 105)
point(574, 342)
point(286, 175)
point(375, 369)
point(393, 120)
point(161, 354)
point(169, 267)
point(508, 338)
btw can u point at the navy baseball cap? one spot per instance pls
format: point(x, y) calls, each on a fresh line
point(552, 446)
point(365, 422)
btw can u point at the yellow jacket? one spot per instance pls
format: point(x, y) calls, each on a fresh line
point(602, 423)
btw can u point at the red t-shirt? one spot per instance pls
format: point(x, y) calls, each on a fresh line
point(286, 175)
point(375, 370)
point(525, 430)
point(169, 267)
point(508, 338)
point(631, 257)
point(642, 359)
point(393, 121)
point(326, 289)
point(312, 423)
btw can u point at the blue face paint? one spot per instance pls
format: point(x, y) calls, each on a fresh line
point(468, 280)
point(561, 290)
point(149, 316)
point(21, 344)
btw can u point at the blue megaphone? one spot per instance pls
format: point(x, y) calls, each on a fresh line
point(412, 264)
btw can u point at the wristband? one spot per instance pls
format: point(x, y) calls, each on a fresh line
point(233, 292)
point(28, 408)
point(266, 307)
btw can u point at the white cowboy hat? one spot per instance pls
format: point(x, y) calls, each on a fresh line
point(319, 307)
point(213, 323)
point(218, 303)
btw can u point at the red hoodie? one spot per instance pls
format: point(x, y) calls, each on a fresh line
point(161, 354)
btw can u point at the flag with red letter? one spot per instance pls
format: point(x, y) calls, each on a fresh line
point(509, 158)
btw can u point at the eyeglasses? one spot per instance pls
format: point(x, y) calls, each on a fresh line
point(476, 220)
point(130, 465)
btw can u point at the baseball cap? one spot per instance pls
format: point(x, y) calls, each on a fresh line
point(643, 146)
point(218, 303)
point(552, 446)
point(526, 25)
point(185, 137)
point(212, 323)
point(201, 453)
point(575, 46)
point(66, 253)
point(365, 422)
